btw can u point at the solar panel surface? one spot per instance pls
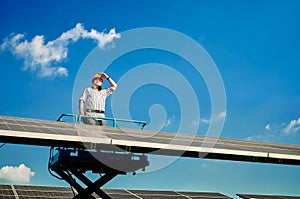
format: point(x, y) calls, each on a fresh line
point(43, 192)
point(52, 133)
point(6, 192)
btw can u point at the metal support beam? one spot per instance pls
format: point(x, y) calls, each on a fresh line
point(71, 167)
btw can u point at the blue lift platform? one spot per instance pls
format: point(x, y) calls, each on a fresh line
point(72, 164)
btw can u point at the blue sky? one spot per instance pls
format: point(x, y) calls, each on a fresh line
point(254, 44)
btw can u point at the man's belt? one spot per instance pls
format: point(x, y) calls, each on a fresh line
point(94, 111)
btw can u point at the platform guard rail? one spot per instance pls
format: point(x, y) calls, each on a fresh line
point(78, 119)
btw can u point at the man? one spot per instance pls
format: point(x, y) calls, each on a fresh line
point(95, 98)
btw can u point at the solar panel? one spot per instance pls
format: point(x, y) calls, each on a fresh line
point(34, 192)
point(43, 192)
point(53, 133)
point(203, 195)
point(163, 197)
point(252, 196)
point(6, 192)
point(151, 194)
point(148, 192)
point(123, 196)
point(119, 193)
point(116, 191)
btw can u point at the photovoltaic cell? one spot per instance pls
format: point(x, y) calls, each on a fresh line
point(7, 197)
point(163, 197)
point(208, 195)
point(6, 192)
point(48, 192)
point(147, 192)
point(5, 187)
point(122, 196)
point(115, 191)
point(43, 192)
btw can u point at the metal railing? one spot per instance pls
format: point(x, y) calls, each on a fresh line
point(78, 119)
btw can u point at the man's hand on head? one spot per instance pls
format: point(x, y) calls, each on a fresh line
point(103, 75)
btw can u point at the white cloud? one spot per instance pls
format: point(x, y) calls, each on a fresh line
point(275, 131)
point(43, 58)
point(263, 137)
point(222, 115)
point(16, 174)
point(293, 126)
point(268, 127)
point(205, 121)
point(169, 121)
point(195, 122)
point(217, 118)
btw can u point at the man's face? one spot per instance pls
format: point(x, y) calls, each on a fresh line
point(97, 81)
